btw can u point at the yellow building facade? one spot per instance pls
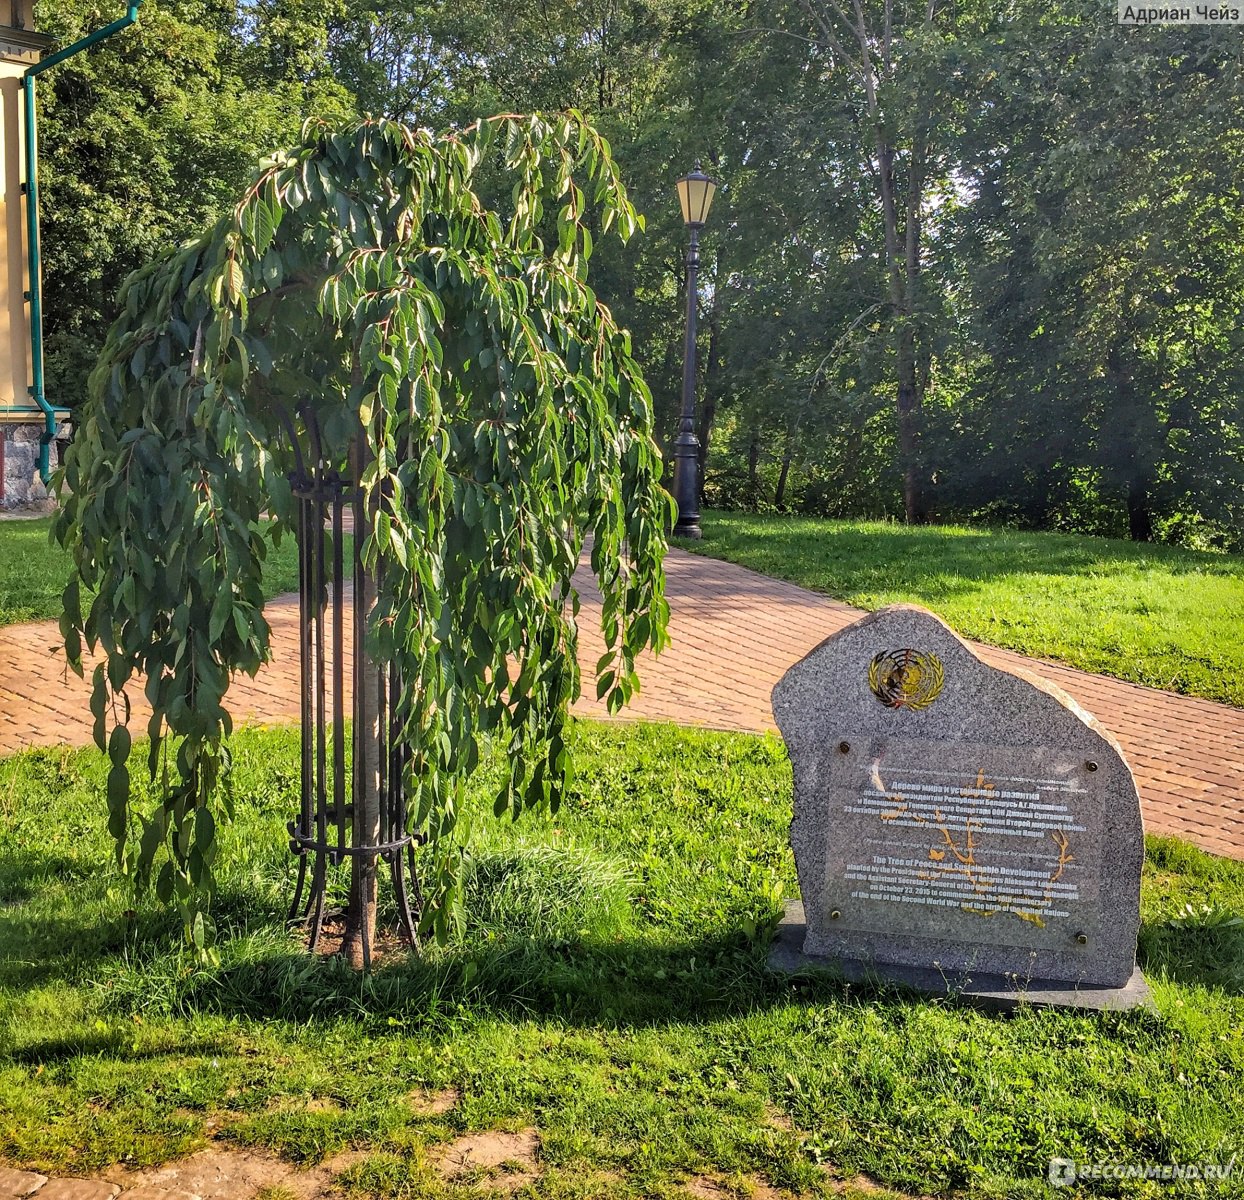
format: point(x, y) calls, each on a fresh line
point(21, 422)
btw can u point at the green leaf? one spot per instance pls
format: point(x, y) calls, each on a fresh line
point(119, 745)
point(204, 829)
point(118, 791)
point(164, 887)
point(221, 614)
point(266, 219)
point(99, 704)
point(234, 281)
point(500, 417)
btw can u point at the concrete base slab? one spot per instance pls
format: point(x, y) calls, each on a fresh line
point(996, 992)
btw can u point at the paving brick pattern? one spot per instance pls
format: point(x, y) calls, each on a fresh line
point(734, 633)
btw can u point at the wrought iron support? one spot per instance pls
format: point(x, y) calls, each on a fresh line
point(340, 685)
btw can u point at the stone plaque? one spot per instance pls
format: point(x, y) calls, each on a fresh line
point(956, 820)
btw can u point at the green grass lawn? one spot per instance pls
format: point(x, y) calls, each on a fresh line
point(1156, 615)
point(33, 571)
point(609, 993)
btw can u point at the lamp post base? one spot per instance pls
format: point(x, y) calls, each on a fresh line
point(686, 482)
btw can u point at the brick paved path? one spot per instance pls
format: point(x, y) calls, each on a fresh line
point(734, 633)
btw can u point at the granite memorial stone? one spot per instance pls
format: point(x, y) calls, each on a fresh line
point(957, 827)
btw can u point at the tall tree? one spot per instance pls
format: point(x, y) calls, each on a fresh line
point(1101, 254)
point(142, 141)
point(458, 352)
point(886, 57)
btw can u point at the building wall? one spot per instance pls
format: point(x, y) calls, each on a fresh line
point(19, 431)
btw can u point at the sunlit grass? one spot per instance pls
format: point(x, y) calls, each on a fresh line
point(609, 991)
point(34, 570)
point(1157, 615)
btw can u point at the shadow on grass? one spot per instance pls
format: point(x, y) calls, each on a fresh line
point(854, 558)
point(939, 566)
point(112, 1044)
point(24, 874)
point(623, 983)
point(620, 973)
point(41, 949)
point(1197, 954)
point(550, 933)
point(57, 923)
point(268, 975)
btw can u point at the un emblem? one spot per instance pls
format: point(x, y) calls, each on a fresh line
point(906, 678)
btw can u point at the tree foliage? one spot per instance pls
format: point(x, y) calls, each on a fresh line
point(959, 263)
point(1102, 274)
point(502, 418)
point(143, 141)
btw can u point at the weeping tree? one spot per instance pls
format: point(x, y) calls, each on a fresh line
point(424, 301)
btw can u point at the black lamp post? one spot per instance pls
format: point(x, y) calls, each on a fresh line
point(695, 193)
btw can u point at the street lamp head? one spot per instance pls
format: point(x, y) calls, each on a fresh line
point(695, 194)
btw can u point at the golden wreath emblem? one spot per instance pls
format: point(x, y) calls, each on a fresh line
point(906, 678)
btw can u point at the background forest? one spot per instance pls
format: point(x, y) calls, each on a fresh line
point(978, 260)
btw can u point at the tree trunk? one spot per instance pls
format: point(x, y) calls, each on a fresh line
point(900, 219)
point(359, 937)
point(753, 461)
point(909, 427)
point(1038, 503)
point(1133, 423)
point(779, 496)
point(913, 371)
point(1139, 514)
point(902, 263)
point(708, 410)
point(360, 925)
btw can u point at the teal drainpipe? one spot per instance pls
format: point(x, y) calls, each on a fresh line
point(35, 295)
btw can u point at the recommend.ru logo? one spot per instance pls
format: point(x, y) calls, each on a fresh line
point(1064, 1172)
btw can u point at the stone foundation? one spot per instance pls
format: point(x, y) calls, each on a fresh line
point(20, 486)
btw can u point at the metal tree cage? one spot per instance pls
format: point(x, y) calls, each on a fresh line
point(336, 679)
